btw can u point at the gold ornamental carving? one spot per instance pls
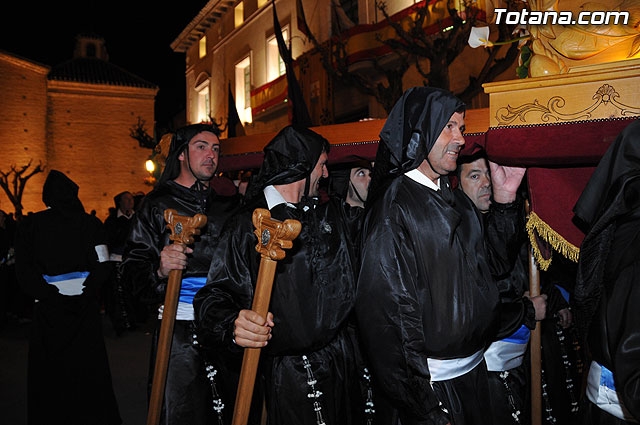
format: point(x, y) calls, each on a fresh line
point(552, 111)
point(558, 48)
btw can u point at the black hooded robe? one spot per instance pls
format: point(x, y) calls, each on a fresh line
point(188, 393)
point(425, 288)
point(309, 365)
point(69, 381)
point(607, 292)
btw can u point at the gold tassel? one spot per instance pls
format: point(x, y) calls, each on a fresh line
point(557, 242)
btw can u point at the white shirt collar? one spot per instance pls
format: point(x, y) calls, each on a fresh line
point(121, 214)
point(274, 197)
point(417, 176)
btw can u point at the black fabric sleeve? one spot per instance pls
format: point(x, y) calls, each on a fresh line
point(504, 236)
point(27, 268)
point(99, 268)
point(229, 286)
point(505, 242)
point(141, 257)
point(626, 353)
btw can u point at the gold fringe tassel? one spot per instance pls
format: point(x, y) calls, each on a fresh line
point(557, 242)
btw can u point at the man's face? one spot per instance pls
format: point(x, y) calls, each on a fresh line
point(126, 202)
point(475, 181)
point(360, 178)
point(204, 149)
point(320, 171)
point(444, 153)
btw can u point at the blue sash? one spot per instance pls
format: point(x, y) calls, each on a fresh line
point(190, 286)
point(606, 378)
point(564, 293)
point(66, 276)
point(521, 336)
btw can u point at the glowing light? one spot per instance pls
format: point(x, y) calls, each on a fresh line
point(150, 166)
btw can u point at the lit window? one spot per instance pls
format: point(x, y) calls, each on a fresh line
point(275, 64)
point(204, 100)
point(262, 3)
point(243, 89)
point(203, 46)
point(239, 14)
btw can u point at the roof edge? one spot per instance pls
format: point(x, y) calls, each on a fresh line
point(204, 12)
point(24, 62)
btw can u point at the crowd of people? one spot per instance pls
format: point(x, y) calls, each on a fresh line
point(404, 299)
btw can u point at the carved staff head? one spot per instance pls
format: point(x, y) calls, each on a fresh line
point(183, 228)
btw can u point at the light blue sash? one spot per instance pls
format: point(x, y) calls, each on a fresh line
point(190, 286)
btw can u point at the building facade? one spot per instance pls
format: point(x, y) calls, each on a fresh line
point(75, 117)
point(230, 48)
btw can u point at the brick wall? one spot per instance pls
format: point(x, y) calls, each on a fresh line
point(23, 104)
point(88, 139)
point(79, 129)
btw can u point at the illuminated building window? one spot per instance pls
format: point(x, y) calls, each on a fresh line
point(202, 46)
point(275, 64)
point(243, 89)
point(204, 99)
point(239, 14)
point(262, 3)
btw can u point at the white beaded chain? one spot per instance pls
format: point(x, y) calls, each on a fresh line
point(314, 394)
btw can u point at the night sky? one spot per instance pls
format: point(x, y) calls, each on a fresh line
point(137, 35)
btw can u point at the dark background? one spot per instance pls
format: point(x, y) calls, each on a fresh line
point(137, 36)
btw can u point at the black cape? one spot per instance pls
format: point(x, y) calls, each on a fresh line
point(313, 296)
point(607, 290)
point(69, 380)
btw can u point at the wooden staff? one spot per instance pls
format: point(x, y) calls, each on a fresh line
point(182, 231)
point(273, 237)
point(535, 344)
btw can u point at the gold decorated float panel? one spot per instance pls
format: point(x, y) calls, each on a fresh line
point(589, 92)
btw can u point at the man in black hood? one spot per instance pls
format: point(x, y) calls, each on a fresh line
point(149, 256)
point(350, 184)
point(607, 291)
point(425, 290)
point(308, 358)
point(61, 261)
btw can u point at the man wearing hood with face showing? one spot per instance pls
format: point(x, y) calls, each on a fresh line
point(308, 360)
point(427, 304)
point(61, 261)
point(149, 255)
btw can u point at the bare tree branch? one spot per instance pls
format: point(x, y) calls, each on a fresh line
point(138, 132)
point(14, 181)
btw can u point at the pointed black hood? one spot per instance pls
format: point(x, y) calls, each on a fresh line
point(409, 133)
point(621, 159)
point(60, 193)
point(290, 156)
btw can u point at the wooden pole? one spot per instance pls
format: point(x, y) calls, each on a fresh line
point(182, 231)
point(535, 344)
point(273, 237)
